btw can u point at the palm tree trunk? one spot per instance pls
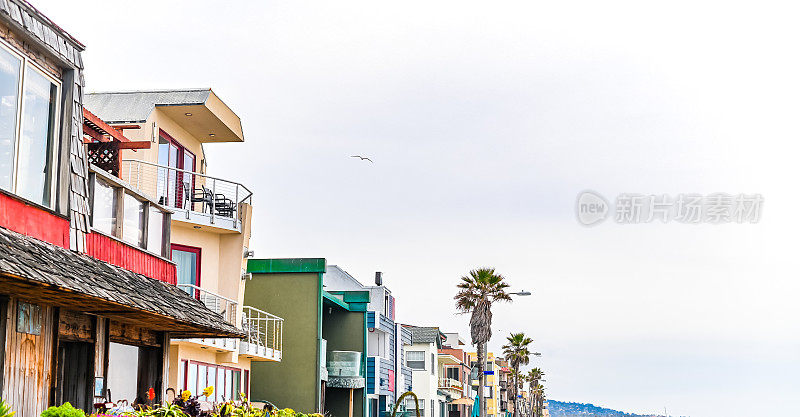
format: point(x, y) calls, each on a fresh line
point(516, 373)
point(481, 378)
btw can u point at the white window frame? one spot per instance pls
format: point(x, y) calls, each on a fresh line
point(25, 61)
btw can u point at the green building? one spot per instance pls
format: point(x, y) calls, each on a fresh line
point(317, 325)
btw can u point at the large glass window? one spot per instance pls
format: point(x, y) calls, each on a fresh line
point(35, 166)
point(104, 209)
point(28, 125)
point(133, 226)
point(9, 103)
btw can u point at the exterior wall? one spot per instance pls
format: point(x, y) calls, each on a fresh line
point(344, 330)
point(33, 221)
point(493, 381)
point(405, 383)
point(297, 298)
point(47, 45)
point(129, 257)
point(426, 382)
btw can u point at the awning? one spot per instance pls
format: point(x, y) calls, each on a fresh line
point(45, 273)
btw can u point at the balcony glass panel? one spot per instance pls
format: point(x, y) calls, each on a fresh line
point(104, 208)
point(133, 226)
point(155, 231)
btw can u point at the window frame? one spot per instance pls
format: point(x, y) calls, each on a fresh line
point(56, 128)
point(423, 361)
point(193, 249)
point(242, 373)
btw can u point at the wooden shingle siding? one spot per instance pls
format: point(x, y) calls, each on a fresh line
point(28, 364)
point(60, 54)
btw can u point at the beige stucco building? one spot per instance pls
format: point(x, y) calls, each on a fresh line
point(210, 226)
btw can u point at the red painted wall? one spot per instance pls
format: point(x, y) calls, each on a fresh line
point(133, 259)
point(33, 221)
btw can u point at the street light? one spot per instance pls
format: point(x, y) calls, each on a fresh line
point(522, 293)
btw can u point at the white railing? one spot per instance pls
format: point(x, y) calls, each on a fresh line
point(263, 330)
point(450, 383)
point(215, 302)
point(186, 190)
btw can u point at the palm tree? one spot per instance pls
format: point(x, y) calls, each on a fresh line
point(516, 353)
point(534, 375)
point(476, 293)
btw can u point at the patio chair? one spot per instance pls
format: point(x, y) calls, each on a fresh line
point(224, 205)
point(198, 195)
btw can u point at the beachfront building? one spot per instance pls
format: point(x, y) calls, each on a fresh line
point(323, 366)
point(384, 345)
point(422, 358)
point(454, 373)
point(491, 389)
point(210, 224)
point(86, 310)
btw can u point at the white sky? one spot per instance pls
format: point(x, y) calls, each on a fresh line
point(485, 119)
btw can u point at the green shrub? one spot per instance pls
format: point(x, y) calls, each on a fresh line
point(5, 409)
point(64, 410)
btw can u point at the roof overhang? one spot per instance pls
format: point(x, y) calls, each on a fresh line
point(209, 122)
point(448, 359)
point(53, 295)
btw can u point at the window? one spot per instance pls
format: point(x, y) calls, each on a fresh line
point(133, 221)
point(415, 359)
point(155, 230)
point(452, 373)
point(29, 318)
point(225, 380)
point(104, 208)
point(28, 126)
point(187, 260)
point(433, 364)
point(171, 182)
point(136, 215)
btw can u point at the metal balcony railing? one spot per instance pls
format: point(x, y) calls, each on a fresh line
point(215, 302)
point(450, 383)
point(263, 329)
point(213, 197)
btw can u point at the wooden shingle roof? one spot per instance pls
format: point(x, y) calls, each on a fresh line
point(42, 272)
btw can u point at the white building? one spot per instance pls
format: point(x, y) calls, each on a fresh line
point(422, 358)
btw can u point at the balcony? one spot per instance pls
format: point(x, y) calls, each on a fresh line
point(451, 385)
point(195, 198)
point(264, 335)
point(221, 305)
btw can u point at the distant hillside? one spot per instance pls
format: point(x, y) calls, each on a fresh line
point(562, 409)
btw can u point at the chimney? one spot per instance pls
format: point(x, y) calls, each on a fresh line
point(379, 278)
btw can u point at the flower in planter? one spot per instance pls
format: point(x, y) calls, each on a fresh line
point(151, 394)
point(208, 391)
point(185, 395)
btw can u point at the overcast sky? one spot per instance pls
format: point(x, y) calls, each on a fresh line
point(485, 120)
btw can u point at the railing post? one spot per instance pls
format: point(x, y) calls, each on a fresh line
point(213, 198)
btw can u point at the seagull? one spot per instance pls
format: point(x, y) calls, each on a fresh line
point(362, 157)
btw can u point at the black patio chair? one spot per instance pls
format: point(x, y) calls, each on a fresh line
point(224, 206)
point(199, 195)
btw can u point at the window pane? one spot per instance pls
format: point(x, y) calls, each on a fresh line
point(9, 97)
point(35, 172)
point(104, 208)
point(228, 384)
point(191, 381)
point(133, 225)
point(237, 384)
point(186, 268)
point(181, 376)
point(212, 382)
point(155, 230)
point(201, 379)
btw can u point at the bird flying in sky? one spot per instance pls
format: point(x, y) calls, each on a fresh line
point(362, 157)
